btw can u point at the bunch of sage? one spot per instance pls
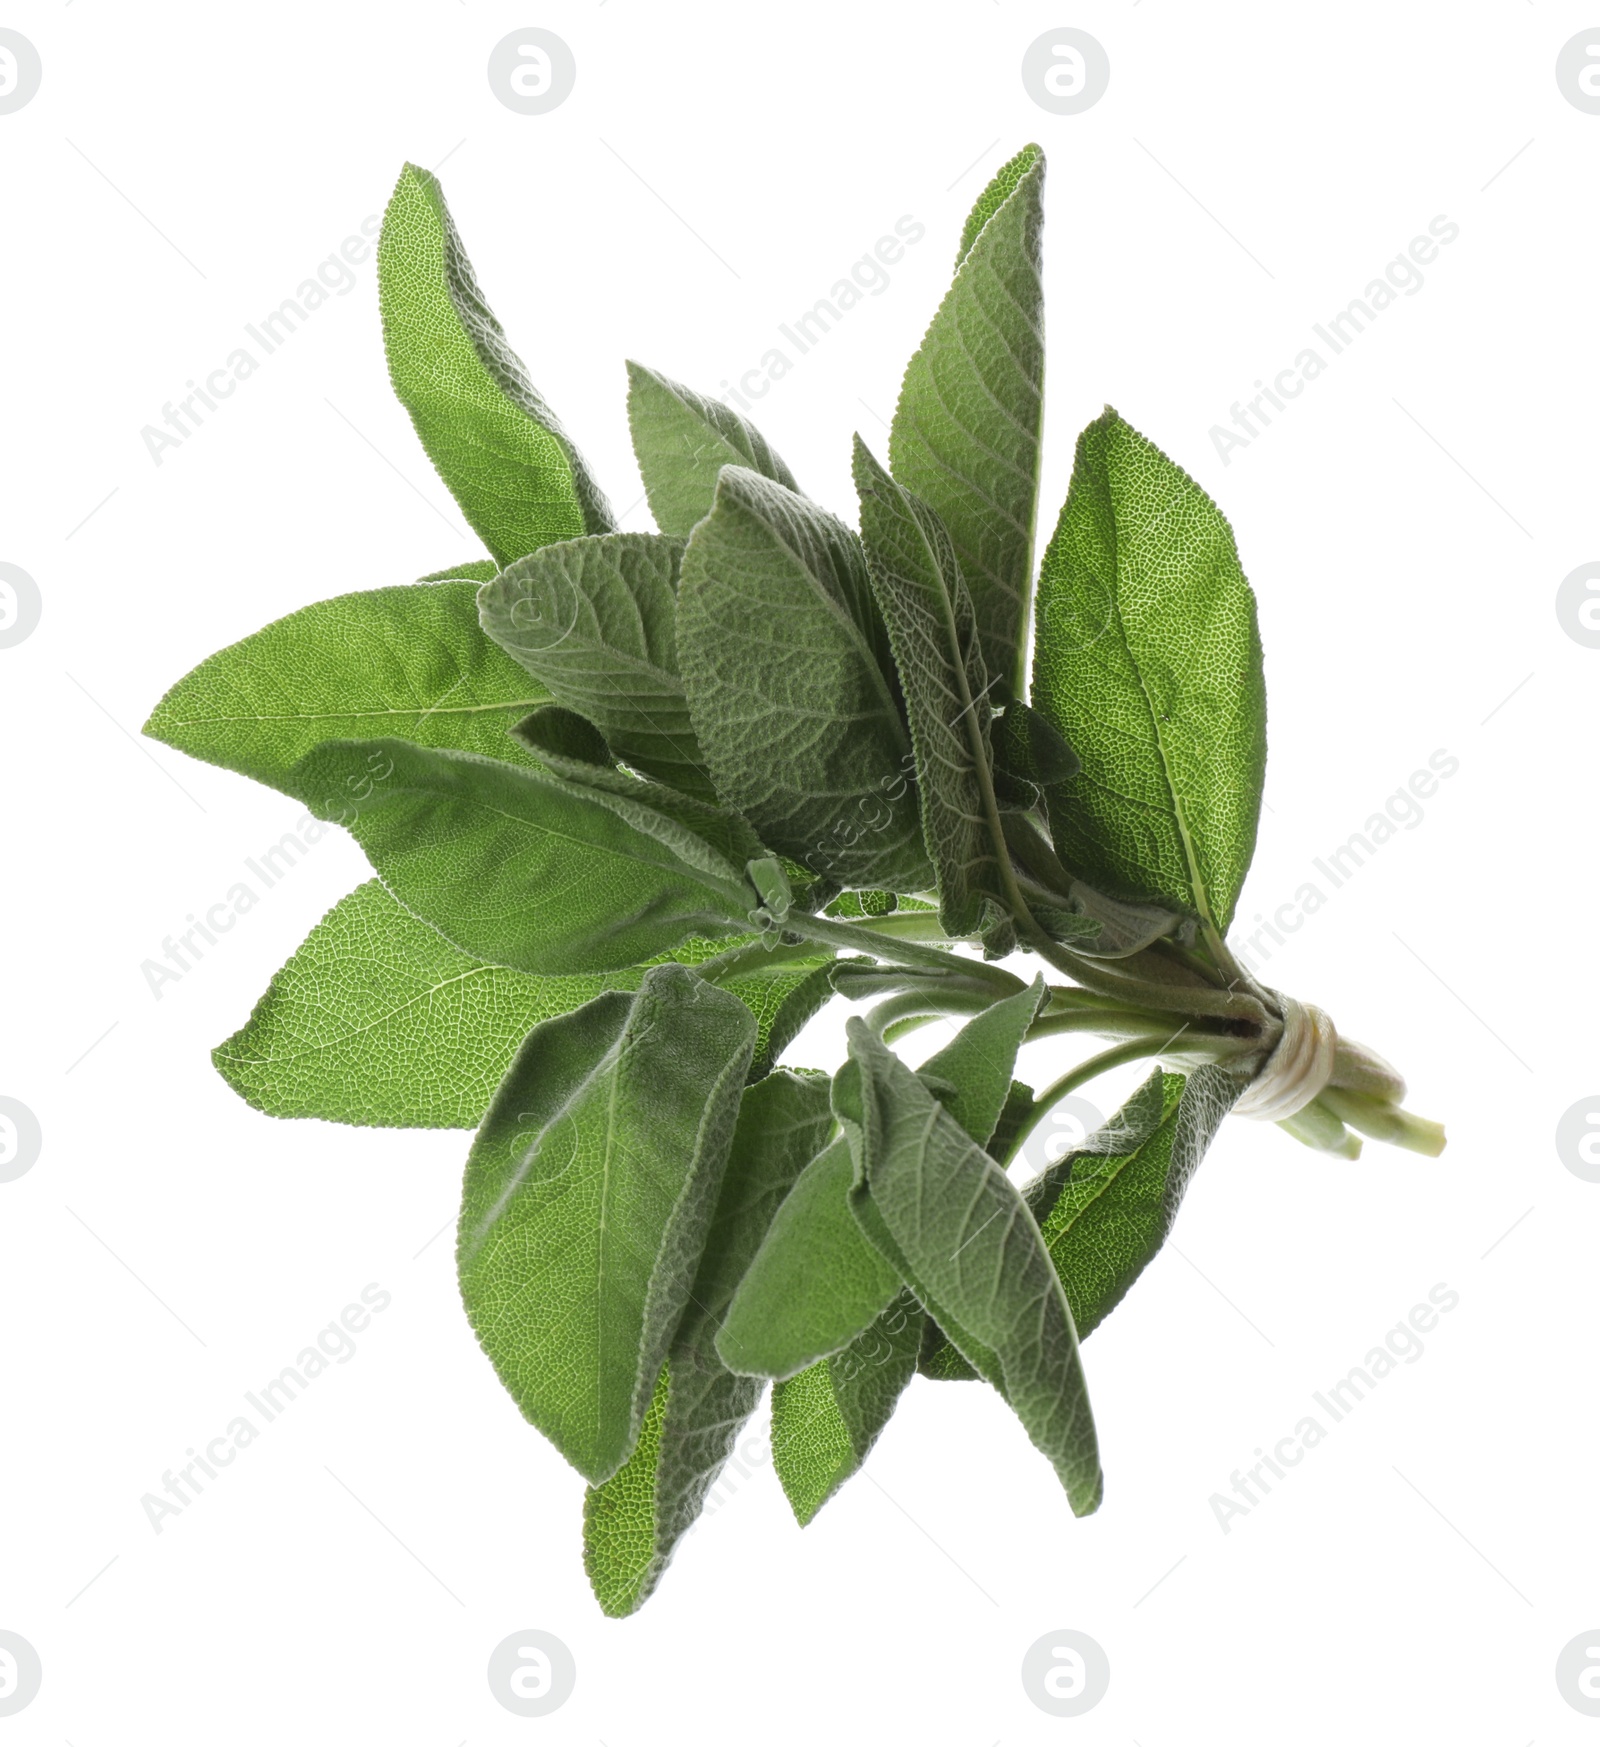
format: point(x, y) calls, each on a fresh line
point(639, 805)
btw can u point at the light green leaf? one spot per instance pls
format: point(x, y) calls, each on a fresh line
point(634, 1521)
point(683, 441)
point(473, 570)
point(934, 636)
point(966, 432)
point(508, 464)
point(1107, 1207)
point(379, 1021)
point(520, 867)
point(785, 664)
point(588, 1194)
point(593, 622)
point(1148, 660)
point(947, 1217)
point(814, 1284)
point(408, 663)
point(826, 1419)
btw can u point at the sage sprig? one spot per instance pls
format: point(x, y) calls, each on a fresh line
point(640, 805)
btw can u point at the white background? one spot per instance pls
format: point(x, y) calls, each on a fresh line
point(1406, 523)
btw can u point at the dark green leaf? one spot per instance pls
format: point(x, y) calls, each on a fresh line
point(934, 636)
point(948, 1219)
point(1028, 745)
point(978, 1062)
point(408, 663)
point(683, 441)
point(966, 432)
point(634, 1521)
point(519, 867)
point(594, 622)
point(1107, 1207)
point(508, 464)
point(1148, 659)
point(588, 1194)
point(570, 747)
point(784, 662)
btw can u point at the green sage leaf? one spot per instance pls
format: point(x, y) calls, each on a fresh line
point(520, 867)
point(785, 664)
point(826, 1419)
point(934, 636)
point(949, 1220)
point(408, 663)
point(508, 463)
point(473, 570)
point(683, 441)
point(588, 1194)
point(814, 1284)
point(594, 622)
point(1148, 660)
point(966, 431)
point(634, 1521)
point(377, 1020)
point(1107, 1207)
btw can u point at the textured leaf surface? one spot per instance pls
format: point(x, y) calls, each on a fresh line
point(826, 1419)
point(588, 1193)
point(978, 1062)
point(934, 637)
point(951, 1222)
point(379, 1021)
point(1148, 660)
point(594, 622)
point(683, 441)
point(815, 1283)
point(408, 663)
point(498, 447)
point(1106, 1208)
point(520, 867)
point(471, 570)
point(785, 663)
point(966, 432)
point(633, 1523)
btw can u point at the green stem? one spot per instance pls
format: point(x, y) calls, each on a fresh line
point(908, 925)
point(858, 937)
point(922, 1004)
